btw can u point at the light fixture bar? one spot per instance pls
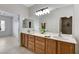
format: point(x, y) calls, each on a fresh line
point(42, 11)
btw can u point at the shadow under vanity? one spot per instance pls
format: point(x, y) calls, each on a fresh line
point(51, 44)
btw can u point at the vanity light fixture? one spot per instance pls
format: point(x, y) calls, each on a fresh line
point(42, 11)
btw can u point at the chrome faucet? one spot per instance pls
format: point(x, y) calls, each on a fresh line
point(28, 31)
point(60, 34)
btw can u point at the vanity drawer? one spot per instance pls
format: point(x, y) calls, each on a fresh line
point(31, 46)
point(39, 39)
point(30, 42)
point(22, 39)
point(26, 41)
point(65, 48)
point(51, 46)
point(39, 51)
point(40, 46)
point(31, 38)
point(39, 42)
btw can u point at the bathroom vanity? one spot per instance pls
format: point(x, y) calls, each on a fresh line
point(44, 44)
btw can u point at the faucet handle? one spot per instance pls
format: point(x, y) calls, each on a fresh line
point(60, 34)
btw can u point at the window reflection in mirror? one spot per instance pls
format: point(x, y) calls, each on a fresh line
point(25, 23)
point(29, 24)
point(2, 25)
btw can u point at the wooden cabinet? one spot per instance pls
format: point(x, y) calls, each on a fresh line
point(31, 42)
point(51, 46)
point(26, 40)
point(65, 48)
point(22, 39)
point(45, 45)
point(39, 45)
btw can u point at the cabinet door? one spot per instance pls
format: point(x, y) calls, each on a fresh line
point(31, 46)
point(50, 46)
point(31, 42)
point(26, 41)
point(22, 39)
point(31, 38)
point(40, 45)
point(65, 48)
point(39, 51)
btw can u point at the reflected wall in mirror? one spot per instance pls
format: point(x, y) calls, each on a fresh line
point(25, 23)
point(66, 25)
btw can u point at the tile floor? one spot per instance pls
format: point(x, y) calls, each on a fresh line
point(10, 45)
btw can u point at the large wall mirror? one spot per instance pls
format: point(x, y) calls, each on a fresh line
point(66, 25)
point(27, 23)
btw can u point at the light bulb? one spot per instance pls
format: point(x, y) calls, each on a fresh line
point(47, 10)
point(44, 11)
point(36, 13)
point(41, 12)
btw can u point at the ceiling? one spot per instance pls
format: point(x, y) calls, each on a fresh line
point(28, 5)
point(49, 5)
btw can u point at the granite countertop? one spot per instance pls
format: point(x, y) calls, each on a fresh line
point(54, 36)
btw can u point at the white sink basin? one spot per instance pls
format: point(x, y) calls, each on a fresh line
point(63, 37)
point(58, 37)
